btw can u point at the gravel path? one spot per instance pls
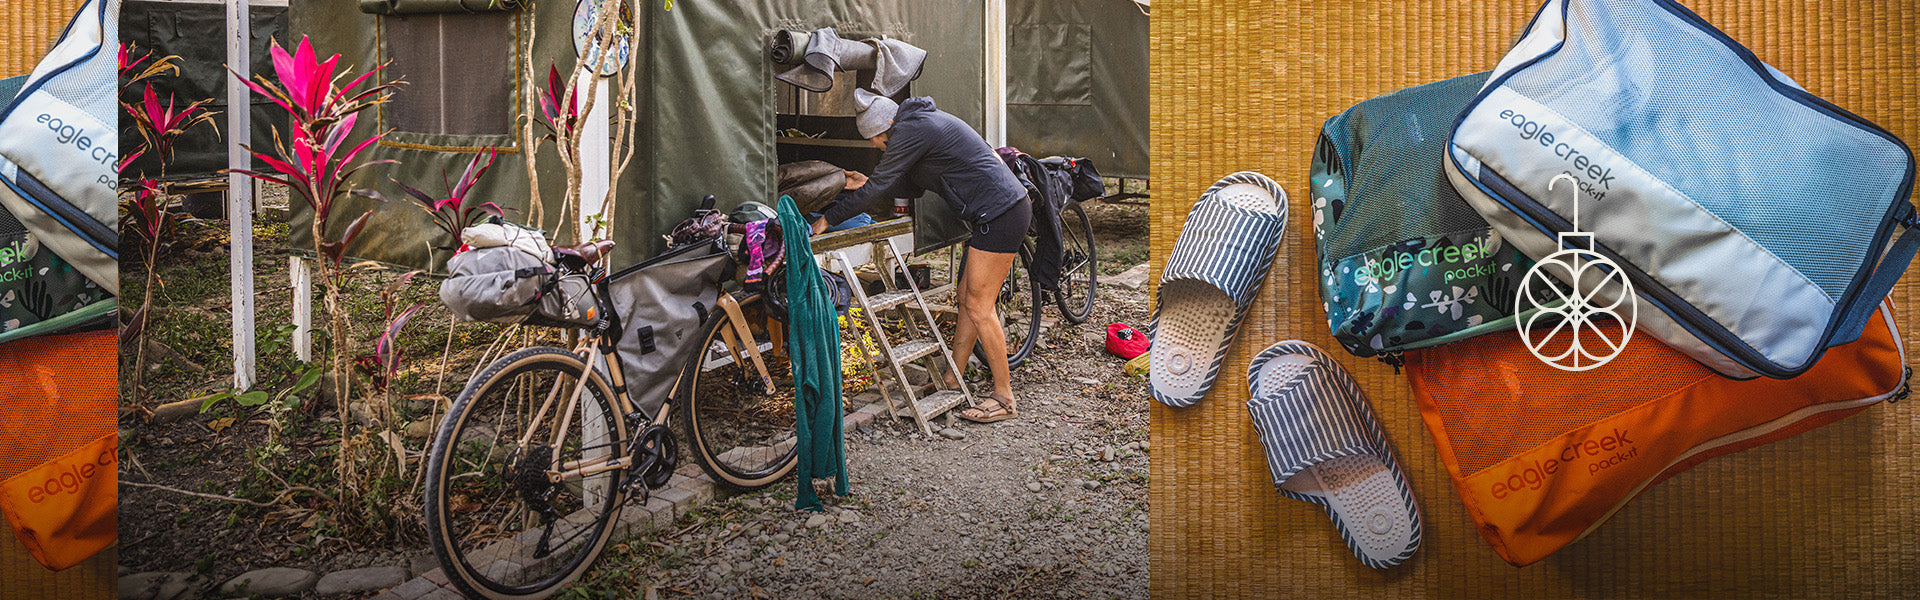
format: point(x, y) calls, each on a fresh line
point(1049, 505)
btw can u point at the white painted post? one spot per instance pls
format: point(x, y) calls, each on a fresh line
point(596, 165)
point(996, 72)
point(298, 269)
point(240, 192)
point(596, 155)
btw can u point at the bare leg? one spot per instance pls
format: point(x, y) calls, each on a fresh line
point(965, 336)
point(979, 285)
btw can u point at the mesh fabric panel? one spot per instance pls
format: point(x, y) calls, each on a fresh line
point(1722, 136)
point(1498, 401)
point(1398, 192)
point(60, 394)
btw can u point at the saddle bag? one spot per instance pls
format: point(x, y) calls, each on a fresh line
point(504, 284)
point(1753, 220)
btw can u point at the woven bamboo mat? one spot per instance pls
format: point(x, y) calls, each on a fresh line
point(27, 29)
point(1246, 85)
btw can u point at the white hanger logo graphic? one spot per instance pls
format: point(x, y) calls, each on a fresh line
point(1580, 309)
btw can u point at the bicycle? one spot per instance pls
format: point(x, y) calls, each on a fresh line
point(521, 498)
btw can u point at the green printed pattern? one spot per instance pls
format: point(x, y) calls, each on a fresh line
point(40, 293)
point(1422, 292)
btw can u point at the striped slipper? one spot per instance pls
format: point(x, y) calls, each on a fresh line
point(1325, 446)
point(1211, 276)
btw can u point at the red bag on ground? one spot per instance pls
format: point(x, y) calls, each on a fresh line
point(1126, 342)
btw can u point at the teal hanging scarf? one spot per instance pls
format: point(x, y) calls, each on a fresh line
point(813, 346)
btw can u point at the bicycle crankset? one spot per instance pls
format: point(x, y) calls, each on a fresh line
point(655, 452)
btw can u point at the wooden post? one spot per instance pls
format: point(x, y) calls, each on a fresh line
point(596, 165)
point(240, 193)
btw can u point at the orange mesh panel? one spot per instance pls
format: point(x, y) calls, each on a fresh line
point(59, 394)
point(1498, 400)
point(59, 485)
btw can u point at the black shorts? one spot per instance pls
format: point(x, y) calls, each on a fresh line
point(1006, 232)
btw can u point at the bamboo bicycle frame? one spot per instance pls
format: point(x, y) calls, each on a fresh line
point(622, 458)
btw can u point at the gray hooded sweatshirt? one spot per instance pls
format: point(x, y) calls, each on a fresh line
point(931, 150)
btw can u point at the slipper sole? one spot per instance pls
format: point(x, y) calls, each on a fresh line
point(1195, 322)
point(1363, 490)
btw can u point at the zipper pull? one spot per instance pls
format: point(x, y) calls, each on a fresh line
point(1392, 358)
point(1906, 385)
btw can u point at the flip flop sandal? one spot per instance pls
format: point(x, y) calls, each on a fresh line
point(1212, 274)
point(1001, 412)
point(1325, 445)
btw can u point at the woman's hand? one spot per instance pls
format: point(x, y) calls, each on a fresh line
point(819, 225)
point(855, 180)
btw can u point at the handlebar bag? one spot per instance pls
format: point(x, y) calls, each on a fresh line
point(1404, 262)
point(1754, 220)
point(662, 305)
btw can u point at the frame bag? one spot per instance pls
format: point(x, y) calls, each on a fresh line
point(662, 305)
point(1754, 220)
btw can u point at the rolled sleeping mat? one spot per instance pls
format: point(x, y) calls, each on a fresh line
point(415, 7)
point(813, 184)
point(788, 47)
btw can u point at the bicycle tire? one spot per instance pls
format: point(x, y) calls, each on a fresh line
point(458, 513)
point(734, 429)
point(1075, 300)
point(1021, 326)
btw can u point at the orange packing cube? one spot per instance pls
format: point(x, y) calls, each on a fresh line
point(59, 446)
point(1542, 457)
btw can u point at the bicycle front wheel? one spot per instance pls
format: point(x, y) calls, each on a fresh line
point(1078, 273)
point(501, 527)
point(741, 434)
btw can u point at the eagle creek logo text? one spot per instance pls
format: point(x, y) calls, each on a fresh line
point(1391, 264)
point(75, 476)
point(66, 133)
point(1532, 476)
point(1593, 179)
point(19, 250)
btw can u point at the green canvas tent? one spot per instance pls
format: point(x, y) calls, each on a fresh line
point(194, 30)
point(707, 103)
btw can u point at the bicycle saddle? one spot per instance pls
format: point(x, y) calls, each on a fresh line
point(582, 255)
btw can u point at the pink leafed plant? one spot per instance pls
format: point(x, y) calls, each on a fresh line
point(454, 212)
point(316, 164)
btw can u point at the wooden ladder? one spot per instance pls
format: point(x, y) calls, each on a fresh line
point(924, 339)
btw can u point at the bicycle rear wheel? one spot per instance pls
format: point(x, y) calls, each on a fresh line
point(1019, 304)
point(742, 436)
point(1079, 276)
point(499, 526)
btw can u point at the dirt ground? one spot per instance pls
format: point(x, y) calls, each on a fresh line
point(1052, 504)
point(929, 517)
